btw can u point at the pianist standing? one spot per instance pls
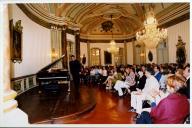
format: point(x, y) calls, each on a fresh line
point(75, 67)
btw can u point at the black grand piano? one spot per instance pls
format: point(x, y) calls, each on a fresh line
point(51, 79)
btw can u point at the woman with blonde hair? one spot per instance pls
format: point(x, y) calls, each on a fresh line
point(171, 110)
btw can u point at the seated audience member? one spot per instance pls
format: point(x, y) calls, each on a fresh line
point(132, 82)
point(118, 76)
point(179, 72)
point(86, 75)
point(157, 73)
point(112, 79)
point(163, 80)
point(171, 110)
point(92, 75)
point(142, 79)
point(171, 71)
point(186, 74)
point(129, 81)
point(138, 96)
point(104, 74)
point(112, 73)
point(97, 74)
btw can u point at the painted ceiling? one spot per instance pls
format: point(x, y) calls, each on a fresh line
point(127, 18)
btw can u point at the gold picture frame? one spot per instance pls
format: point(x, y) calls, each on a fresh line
point(16, 41)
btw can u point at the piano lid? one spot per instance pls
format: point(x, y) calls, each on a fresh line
point(52, 64)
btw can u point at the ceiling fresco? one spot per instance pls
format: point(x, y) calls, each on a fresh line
point(127, 18)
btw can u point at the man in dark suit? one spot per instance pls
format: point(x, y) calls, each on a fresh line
point(186, 74)
point(75, 68)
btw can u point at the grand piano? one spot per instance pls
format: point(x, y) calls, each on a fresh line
point(51, 79)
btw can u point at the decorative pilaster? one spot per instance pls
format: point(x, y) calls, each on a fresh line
point(12, 116)
point(77, 41)
point(134, 53)
point(88, 52)
point(64, 46)
point(125, 52)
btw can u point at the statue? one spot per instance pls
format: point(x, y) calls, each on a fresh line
point(181, 52)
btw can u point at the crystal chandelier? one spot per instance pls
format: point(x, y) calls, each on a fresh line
point(151, 35)
point(113, 48)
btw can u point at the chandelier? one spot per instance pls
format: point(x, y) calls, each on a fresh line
point(151, 35)
point(113, 48)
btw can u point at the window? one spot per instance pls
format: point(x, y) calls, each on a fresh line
point(70, 50)
point(95, 56)
point(119, 57)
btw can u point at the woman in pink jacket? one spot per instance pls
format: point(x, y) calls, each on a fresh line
point(171, 110)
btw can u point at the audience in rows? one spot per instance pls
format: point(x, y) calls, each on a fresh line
point(165, 87)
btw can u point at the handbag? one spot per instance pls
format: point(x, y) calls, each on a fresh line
point(146, 104)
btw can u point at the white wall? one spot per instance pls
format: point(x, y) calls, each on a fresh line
point(36, 47)
point(83, 50)
point(103, 47)
point(129, 53)
point(182, 29)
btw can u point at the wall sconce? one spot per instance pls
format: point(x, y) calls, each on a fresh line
point(142, 54)
point(54, 53)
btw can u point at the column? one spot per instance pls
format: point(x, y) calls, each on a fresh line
point(88, 52)
point(125, 52)
point(134, 52)
point(12, 116)
point(64, 47)
point(77, 41)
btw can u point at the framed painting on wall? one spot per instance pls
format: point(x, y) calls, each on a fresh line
point(16, 41)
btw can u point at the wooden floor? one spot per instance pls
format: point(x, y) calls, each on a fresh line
point(93, 105)
point(110, 109)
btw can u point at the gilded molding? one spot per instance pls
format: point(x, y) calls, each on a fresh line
point(172, 15)
point(41, 17)
point(107, 41)
point(172, 12)
point(175, 21)
point(34, 17)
